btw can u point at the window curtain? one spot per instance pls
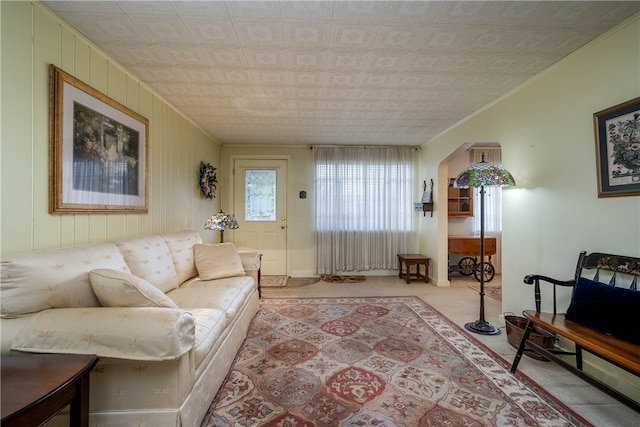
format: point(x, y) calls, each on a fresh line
point(363, 207)
point(492, 204)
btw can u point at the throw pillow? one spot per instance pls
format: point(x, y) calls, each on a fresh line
point(218, 261)
point(119, 289)
point(605, 308)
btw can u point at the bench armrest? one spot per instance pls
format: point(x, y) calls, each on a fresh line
point(534, 279)
point(529, 279)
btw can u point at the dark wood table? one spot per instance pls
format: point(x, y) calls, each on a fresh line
point(413, 259)
point(35, 387)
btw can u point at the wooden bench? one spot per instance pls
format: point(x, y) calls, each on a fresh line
point(600, 303)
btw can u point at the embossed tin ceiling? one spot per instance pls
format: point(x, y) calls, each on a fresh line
point(330, 72)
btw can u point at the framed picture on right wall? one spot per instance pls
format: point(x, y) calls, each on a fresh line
point(617, 131)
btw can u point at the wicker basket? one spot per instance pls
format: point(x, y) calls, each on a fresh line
point(540, 336)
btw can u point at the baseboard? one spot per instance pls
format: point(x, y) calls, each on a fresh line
point(439, 282)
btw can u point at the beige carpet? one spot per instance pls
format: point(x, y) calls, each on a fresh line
point(297, 282)
point(491, 289)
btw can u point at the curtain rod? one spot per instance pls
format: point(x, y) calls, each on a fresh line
point(311, 147)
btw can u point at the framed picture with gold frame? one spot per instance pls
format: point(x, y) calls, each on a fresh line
point(97, 150)
point(617, 131)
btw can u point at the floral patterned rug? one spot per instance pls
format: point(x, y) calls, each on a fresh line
point(273, 281)
point(492, 290)
point(343, 278)
point(392, 361)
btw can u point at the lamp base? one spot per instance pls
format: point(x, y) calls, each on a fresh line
point(482, 327)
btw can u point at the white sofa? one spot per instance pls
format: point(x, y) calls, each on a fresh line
point(163, 354)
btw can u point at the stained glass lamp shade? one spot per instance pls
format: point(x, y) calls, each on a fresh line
point(483, 174)
point(221, 221)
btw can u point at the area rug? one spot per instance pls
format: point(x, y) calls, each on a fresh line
point(268, 281)
point(392, 361)
point(492, 290)
point(343, 279)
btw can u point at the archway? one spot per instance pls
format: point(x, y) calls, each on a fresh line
point(459, 217)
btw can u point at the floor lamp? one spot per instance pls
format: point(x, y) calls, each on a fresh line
point(480, 175)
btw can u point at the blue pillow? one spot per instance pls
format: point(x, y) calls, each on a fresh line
point(607, 309)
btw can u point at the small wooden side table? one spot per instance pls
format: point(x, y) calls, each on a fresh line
point(413, 259)
point(35, 387)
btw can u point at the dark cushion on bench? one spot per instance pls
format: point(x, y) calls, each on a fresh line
point(608, 309)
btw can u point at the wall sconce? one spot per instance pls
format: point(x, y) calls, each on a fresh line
point(427, 199)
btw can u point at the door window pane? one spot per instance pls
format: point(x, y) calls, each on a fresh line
point(260, 195)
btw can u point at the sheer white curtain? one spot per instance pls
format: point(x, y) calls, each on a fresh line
point(364, 200)
point(492, 203)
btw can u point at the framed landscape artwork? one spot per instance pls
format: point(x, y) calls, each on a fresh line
point(617, 131)
point(98, 150)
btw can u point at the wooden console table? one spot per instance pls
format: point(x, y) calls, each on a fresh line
point(35, 387)
point(413, 259)
point(470, 245)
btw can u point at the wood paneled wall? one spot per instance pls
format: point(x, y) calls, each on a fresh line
point(32, 38)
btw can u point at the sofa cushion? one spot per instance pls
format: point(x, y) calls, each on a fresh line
point(181, 247)
point(226, 299)
point(118, 289)
point(218, 261)
point(149, 257)
point(55, 278)
point(245, 284)
point(134, 333)
point(591, 305)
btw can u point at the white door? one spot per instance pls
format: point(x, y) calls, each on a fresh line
point(260, 206)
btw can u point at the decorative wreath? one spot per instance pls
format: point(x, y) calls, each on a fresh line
point(208, 180)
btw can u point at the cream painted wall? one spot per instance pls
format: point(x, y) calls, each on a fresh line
point(545, 128)
point(33, 38)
